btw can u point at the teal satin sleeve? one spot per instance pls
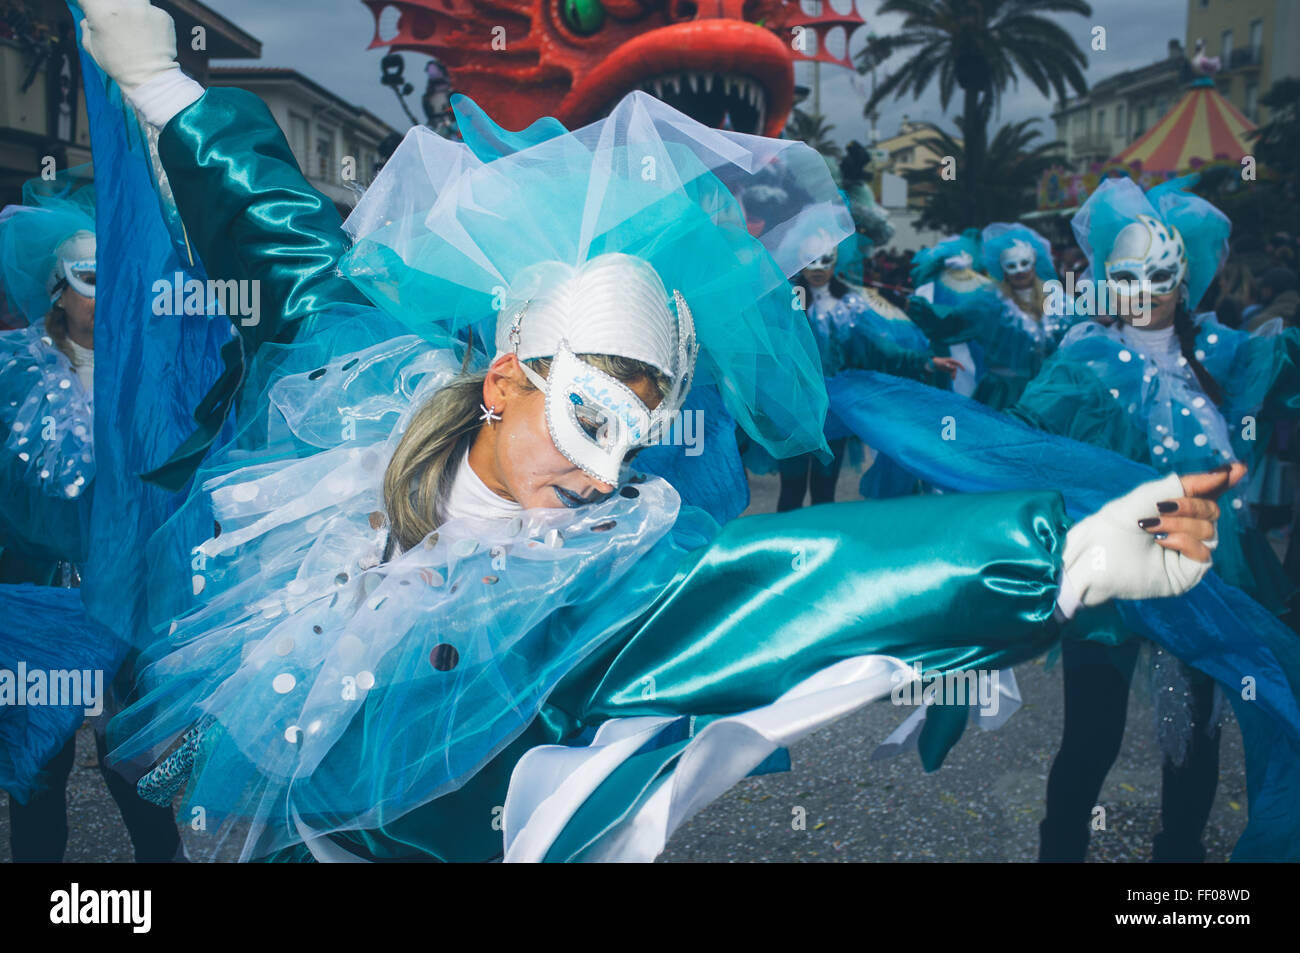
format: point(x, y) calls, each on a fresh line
point(946, 581)
point(250, 215)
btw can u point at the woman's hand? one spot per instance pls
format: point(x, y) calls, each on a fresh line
point(1188, 524)
point(946, 365)
point(131, 40)
point(1148, 544)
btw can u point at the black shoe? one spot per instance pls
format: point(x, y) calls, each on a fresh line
point(1167, 849)
point(1058, 845)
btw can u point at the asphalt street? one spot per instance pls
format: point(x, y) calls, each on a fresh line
point(984, 804)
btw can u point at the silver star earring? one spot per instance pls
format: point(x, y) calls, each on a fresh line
point(489, 414)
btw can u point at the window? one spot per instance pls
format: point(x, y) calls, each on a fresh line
point(1101, 123)
point(1252, 100)
point(1225, 50)
point(325, 166)
point(299, 138)
point(1141, 120)
point(1119, 121)
point(1256, 39)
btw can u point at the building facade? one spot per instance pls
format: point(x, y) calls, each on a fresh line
point(1119, 109)
point(906, 153)
point(42, 108)
point(1257, 42)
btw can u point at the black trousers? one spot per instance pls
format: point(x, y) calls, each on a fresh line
point(799, 474)
point(38, 830)
point(1097, 681)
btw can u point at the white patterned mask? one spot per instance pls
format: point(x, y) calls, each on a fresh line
point(1017, 259)
point(596, 420)
point(1148, 250)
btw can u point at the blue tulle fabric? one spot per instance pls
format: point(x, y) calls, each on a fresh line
point(442, 235)
point(47, 462)
point(48, 415)
point(1215, 628)
point(45, 629)
point(30, 234)
point(928, 263)
point(1119, 201)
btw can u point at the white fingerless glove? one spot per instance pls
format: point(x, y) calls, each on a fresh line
point(135, 44)
point(1108, 556)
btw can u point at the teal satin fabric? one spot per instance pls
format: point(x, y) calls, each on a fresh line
point(960, 581)
point(290, 239)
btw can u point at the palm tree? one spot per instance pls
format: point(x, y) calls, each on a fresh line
point(1002, 190)
point(981, 47)
point(813, 130)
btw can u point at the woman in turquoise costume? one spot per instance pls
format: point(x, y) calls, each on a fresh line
point(854, 328)
point(951, 304)
point(1034, 320)
point(1175, 392)
point(437, 617)
point(48, 469)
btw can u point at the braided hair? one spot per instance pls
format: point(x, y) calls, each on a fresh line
point(1185, 330)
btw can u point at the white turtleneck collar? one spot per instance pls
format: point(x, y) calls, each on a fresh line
point(1160, 342)
point(83, 362)
point(470, 496)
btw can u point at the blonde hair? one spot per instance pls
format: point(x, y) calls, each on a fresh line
point(420, 474)
point(1035, 304)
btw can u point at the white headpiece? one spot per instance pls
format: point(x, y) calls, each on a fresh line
point(613, 304)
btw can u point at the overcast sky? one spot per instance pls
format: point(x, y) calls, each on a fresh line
point(327, 39)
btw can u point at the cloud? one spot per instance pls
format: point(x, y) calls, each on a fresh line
point(326, 41)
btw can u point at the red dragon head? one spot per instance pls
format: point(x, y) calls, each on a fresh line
point(715, 60)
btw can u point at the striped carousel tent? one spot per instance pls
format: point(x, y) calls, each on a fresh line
point(1202, 129)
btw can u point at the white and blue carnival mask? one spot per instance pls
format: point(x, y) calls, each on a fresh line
point(1017, 259)
point(612, 304)
point(74, 266)
point(1148, 250)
